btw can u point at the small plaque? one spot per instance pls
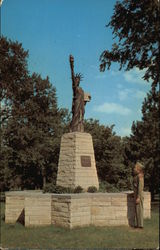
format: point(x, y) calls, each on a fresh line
point(85, 161)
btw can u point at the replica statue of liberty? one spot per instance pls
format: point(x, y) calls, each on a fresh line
point(79, 101)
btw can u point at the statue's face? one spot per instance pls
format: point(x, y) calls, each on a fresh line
point(77, 80)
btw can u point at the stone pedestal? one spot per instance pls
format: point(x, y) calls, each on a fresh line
point(77, 161)
point(72, 210)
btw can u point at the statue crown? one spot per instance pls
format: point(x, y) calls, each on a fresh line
point(80, 76)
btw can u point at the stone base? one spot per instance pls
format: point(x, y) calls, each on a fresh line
point(72, 210)
point(77, 165)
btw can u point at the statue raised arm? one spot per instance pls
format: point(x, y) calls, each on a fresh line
point(71, 59)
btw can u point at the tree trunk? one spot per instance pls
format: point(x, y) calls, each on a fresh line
point(152, 189)
point(44, 181)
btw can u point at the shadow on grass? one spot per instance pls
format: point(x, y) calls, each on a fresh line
point(130, 210)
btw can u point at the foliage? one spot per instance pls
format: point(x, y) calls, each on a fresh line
point(107, 187)
point(2, 197)
point(78, 189)
point(136, 30)
point(109, 155)
point(92, 189)
point(13, 75)
point(52, 188)
point(13, 72)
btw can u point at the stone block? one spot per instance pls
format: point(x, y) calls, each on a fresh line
point(38, 210)
point(60, 214)
point(118, 203)
point(14, 207)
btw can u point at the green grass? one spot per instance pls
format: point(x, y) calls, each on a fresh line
point(17, 236)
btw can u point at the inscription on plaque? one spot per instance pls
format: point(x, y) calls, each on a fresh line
point(85, 161)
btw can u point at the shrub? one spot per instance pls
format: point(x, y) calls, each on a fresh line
point(2, 196)
point(92, 189)
point(52, 188)
point(78, 189)
point(62, 190)
point(49, 188)
point(107, 187)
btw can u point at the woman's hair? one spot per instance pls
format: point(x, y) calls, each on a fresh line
point(140, 167)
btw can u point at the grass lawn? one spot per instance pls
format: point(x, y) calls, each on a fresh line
point(17, 236)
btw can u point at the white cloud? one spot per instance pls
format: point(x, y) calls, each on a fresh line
point(100, 76)
point(140, 110)
point(123, 94)
point(140, 94)
point(93, 66)
point(125, 131)
point(119, 86)
point(112, 108)
point(134, 76)
point(115, 72)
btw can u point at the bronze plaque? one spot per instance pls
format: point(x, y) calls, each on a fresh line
point(85, 161)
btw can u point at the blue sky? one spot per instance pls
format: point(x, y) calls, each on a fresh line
point(52, 30)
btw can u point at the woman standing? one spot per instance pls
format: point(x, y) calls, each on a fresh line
point(138, 185)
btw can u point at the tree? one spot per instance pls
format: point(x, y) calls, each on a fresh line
point(109, 151)
point(33, 132)
point(136, 29)
point(13, 74)
point(31, 123)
